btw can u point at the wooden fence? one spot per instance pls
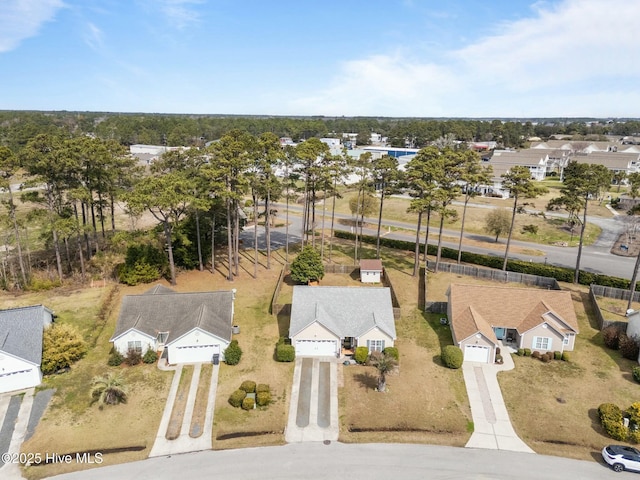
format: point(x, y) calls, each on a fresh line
point(609, 292)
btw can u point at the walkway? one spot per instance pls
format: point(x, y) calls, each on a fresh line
point(313, 411)
point(185, 442)
point(492, 426)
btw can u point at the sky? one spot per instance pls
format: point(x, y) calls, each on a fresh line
point(383, 58)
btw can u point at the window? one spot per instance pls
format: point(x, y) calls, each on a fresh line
point(375, 345)
point(541, 343)
point(135, 345)
point(566, 339)
point(162, 337)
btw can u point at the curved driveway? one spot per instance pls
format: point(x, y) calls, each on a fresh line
point(317, 461)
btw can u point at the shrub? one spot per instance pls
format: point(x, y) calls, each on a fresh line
point(285, 353)
point(133, 357)
point(248, 386)
point(520, 352)
point(565, 356)
point(307, 266)
point(628, 346)
point(527, 352)
point(262, 387)
point(248, 404)
point(499, 358)
point(533, 229)
point(452, 356)
point(536, 354)
point(611, 419)
point(392, 352)
point(557, 355)
point(62, 345)
point(546, 357)
point(263, 398)
point(150, 356)
point(237, 397)
point(636, 373)
point(115, 358)
point(361, 354)
point(611, 337)
point(233, 353)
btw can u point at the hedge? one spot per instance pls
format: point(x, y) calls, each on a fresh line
point(237, 397)
point(452, 356)
point(285, 353)
point(392, 351)
point(561, 274)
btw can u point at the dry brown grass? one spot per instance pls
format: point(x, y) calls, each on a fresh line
point(202, 399)
point(180, 404)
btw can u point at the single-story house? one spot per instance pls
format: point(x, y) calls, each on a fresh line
point(370, 271)
point(21, 331)
point(325, 320)
point(185, 327)
point(483, 318)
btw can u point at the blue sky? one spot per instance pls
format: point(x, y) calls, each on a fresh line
point(422, 58)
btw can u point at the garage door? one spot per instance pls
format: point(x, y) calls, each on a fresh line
point(476, 353)
point(19, 380)
point(316, 347)
point(193, 353)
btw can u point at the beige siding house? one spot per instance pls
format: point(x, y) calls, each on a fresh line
point(483, 318)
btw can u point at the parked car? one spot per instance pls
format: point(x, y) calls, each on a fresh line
point(621, 458)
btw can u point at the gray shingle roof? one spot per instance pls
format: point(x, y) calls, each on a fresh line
point(346, 311)
point(21, 331)
point(163, 310)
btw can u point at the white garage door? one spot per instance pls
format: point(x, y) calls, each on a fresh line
point(19, 380)
point(193, 353)
point(476, 353)
point(316, 347)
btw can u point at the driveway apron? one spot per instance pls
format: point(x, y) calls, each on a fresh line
point(313, 411)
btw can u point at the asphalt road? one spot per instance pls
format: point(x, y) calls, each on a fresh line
point(316, 461)
point(596, 258)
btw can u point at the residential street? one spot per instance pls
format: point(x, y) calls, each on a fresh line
point(317, 461)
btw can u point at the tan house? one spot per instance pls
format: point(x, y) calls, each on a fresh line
point(483, 318)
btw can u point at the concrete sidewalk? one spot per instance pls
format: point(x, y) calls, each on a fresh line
point(313, 410)
point(185, 442)
point(492, 426)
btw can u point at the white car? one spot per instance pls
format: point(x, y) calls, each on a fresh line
point(621, 458)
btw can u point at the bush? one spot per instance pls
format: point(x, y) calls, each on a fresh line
point(546, 357)
point(499, 358)
point(263, 398)
point(361, 354)
point(611, 337)
point(565, 356)
point(307, 266)
point(248, 386)
point(115, 358)
point(133, 357)
point(262, 387)
point(233, 353)
point(527, 352)
point(628, 347)
point(392, 352)
point(452, 356)
point(520, 352)
point(62, 345)
point(557, 355)
point(150, 356)
point(248, 404)
point(237, 397)
point(611, 419)
point(635, 371)
point(285, 353)
point(536, 354)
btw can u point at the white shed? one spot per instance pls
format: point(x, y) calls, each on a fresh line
point(370, 271)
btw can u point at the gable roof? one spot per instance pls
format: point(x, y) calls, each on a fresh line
point(371, 264)
point(21, 331)
point(479, 308)
point(163, 310)
point(345, 311)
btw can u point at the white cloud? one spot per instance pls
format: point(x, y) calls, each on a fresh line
point(21, 19)
point(181, 13)
point(94, 36)
point(572, 51)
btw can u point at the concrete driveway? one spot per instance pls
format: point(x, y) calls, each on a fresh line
point(313, 411)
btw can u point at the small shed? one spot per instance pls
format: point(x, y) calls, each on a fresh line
point(370, 271)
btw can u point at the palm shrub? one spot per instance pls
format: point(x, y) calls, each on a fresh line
point(361, 354)
point(451, 356)
point(233, 353)
point(109, 389)
point(385, 364)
